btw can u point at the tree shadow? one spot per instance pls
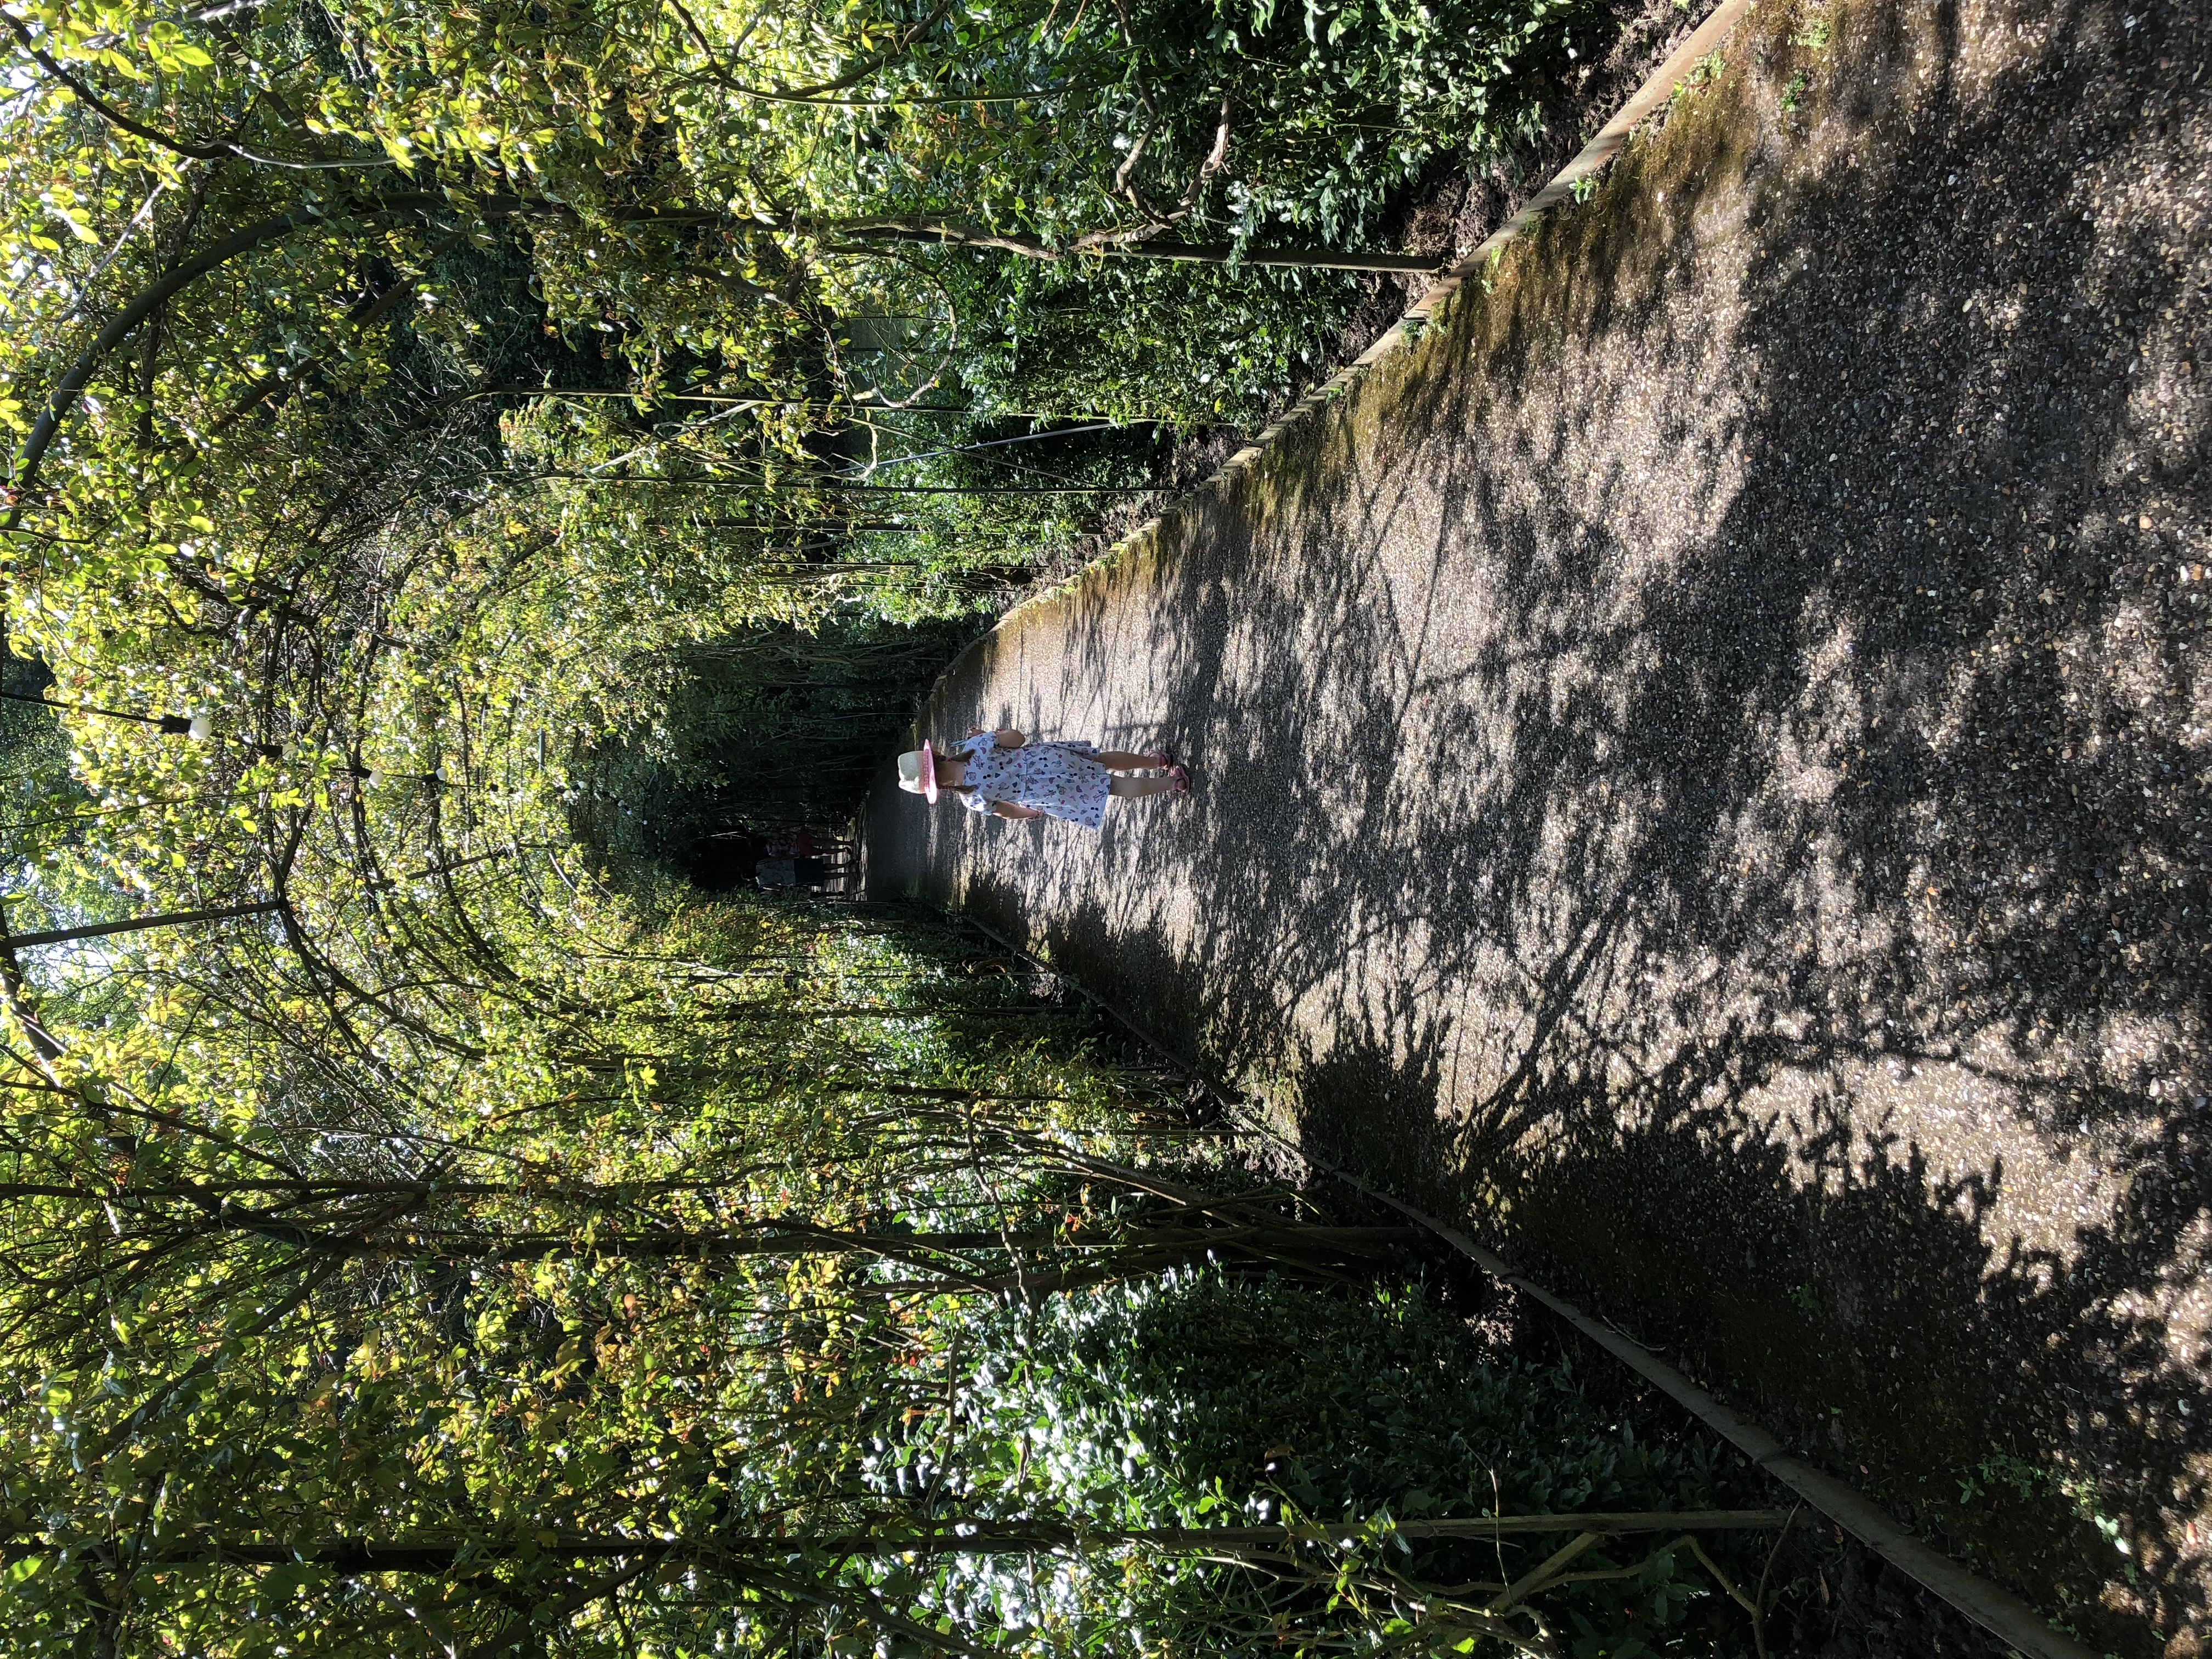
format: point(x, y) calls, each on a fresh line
point(1700, 766)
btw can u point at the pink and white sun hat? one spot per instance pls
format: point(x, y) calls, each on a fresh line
point(918, 771)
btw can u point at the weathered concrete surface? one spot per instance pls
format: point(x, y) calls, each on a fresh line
point(1702, 766)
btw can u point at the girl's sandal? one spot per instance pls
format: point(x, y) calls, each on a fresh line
point(1180, 775)
point(1163, 756)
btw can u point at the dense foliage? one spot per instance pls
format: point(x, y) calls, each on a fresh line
point(785, 725)
point(751, 1282)
point(1203, 1396)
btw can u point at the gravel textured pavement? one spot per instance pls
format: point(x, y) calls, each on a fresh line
point(1702, 769)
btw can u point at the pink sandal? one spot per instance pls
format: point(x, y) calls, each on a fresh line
point(1161, 756)
point(1182, 776)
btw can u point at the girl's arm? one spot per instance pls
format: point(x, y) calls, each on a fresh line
point(1008, 810)
point(1006, 737)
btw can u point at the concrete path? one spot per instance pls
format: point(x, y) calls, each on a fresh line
point(1702, 768)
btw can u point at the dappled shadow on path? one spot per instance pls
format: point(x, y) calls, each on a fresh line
point(1704, 769)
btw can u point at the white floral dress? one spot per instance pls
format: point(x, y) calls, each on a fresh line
point(1063, 779)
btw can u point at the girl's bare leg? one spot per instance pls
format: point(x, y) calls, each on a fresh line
point(1139, 788)
point(1120, 760)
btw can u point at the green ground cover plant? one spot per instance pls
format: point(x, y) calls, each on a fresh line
point(1201, 1396)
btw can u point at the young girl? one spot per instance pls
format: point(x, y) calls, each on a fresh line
point(1004, 773)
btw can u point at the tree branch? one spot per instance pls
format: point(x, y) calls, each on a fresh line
point(104, 110)
point(64, 397)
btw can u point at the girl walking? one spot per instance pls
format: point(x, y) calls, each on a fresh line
point(1005, 774)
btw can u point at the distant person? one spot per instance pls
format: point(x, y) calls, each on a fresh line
point(775, 873)
point(1003, 773)
point(806, 844)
